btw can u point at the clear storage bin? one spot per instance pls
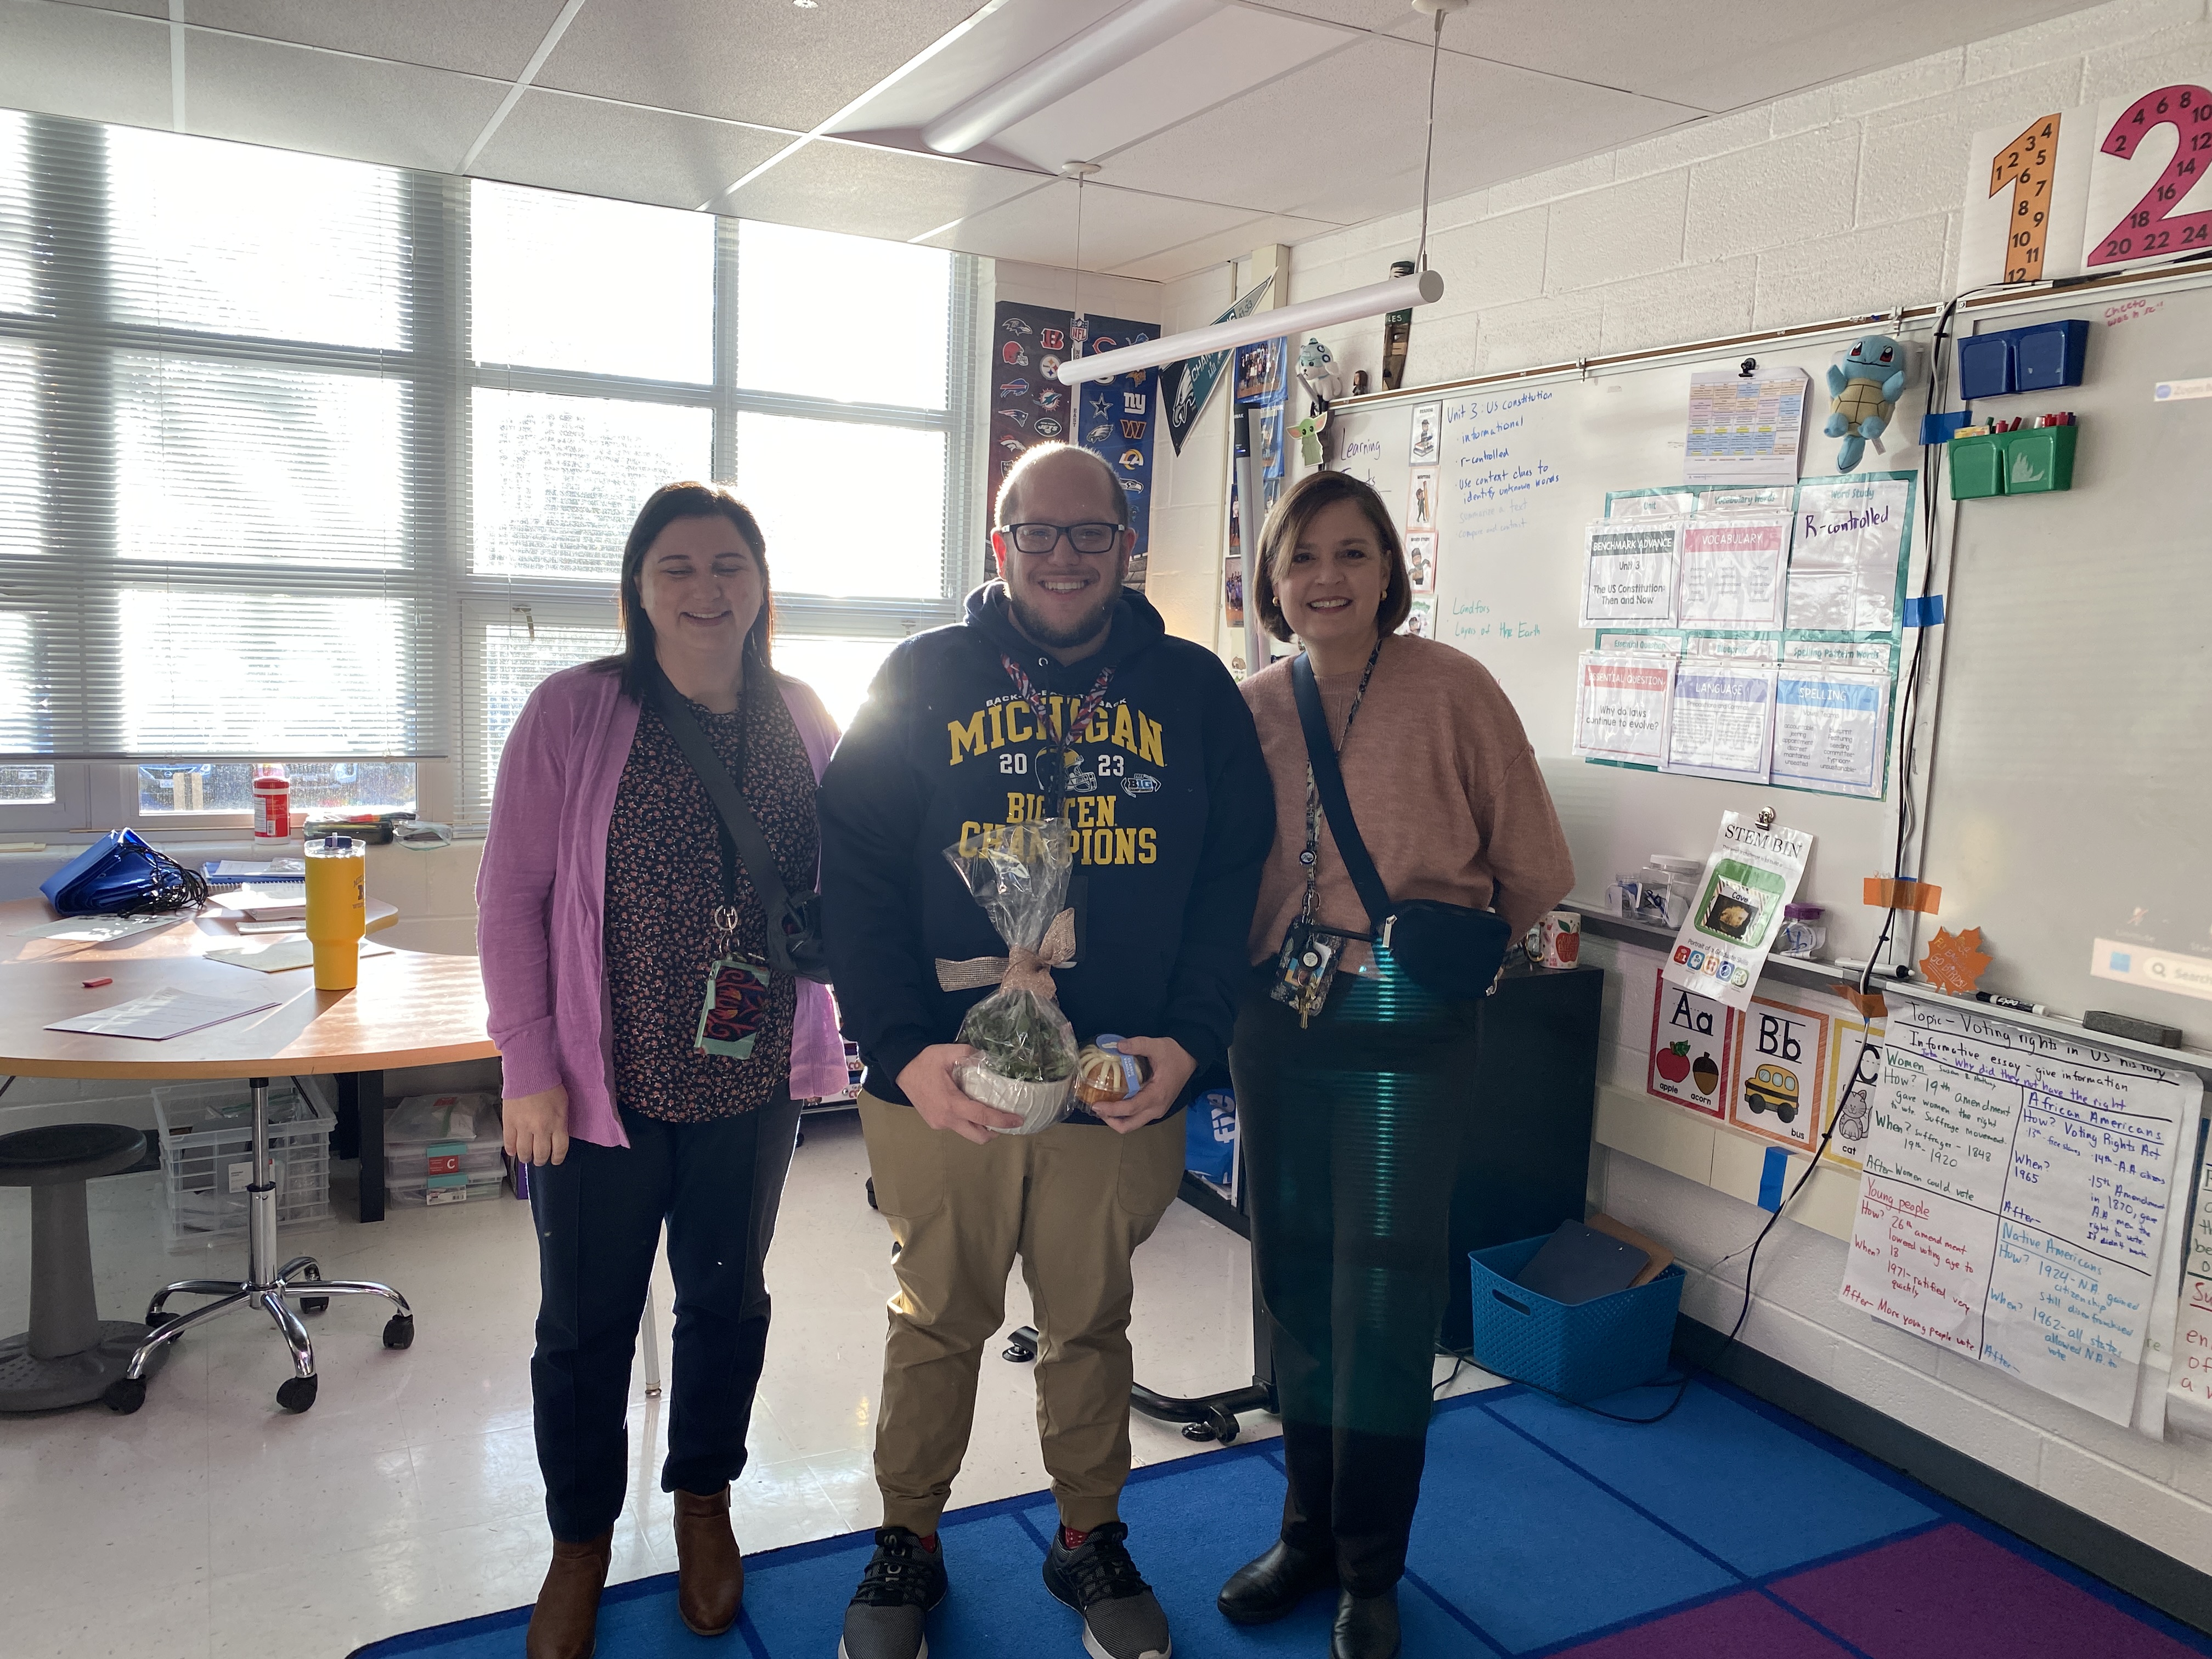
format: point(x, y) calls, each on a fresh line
point(207, 1160)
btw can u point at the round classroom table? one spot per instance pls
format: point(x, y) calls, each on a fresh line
point(410, 1008)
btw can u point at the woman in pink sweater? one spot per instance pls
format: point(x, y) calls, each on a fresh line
point(609, 896)
point(1351, 1109)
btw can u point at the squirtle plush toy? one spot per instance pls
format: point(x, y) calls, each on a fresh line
point(1862, 393)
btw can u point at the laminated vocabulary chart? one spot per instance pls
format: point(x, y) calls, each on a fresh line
point(2016, 1207)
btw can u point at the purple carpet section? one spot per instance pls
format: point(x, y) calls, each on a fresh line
point(1746, 1625)
point(1952, 1592)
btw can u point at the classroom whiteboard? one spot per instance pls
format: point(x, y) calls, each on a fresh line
point(2073, 787)
point(1525, 468)
point(2067, 793)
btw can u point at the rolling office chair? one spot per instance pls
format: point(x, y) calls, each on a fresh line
point(261, 1288)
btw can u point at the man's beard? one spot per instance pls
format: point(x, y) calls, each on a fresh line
point(1081, 632)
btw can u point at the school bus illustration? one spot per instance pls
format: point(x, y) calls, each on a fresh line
point(1772, 1089)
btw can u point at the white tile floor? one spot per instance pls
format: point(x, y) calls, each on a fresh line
point(211, 1522)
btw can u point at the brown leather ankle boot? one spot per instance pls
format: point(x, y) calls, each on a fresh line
point(710, 1574)
point(564, 1624)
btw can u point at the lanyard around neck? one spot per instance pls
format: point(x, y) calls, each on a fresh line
point(1052, 766)
point(1311, 857)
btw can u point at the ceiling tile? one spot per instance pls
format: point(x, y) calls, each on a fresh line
point(865, 191)
point(263, 92)
point(1665, 48)
point(1118, 226)
point(1353, 13)
point(1216, 246)
point(764, 61)
point(1493, 122)
point(483, 37)
point(1217, 58)
point(563, 142)
point(997, 46)
point(74, 60)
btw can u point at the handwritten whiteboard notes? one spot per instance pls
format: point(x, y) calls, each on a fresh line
point(2016, 1201)
point(1744, 428)
point(1629, 574)
point(1844, 574)
point(2189, 1395)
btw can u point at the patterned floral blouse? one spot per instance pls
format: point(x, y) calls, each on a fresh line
point(664, 875)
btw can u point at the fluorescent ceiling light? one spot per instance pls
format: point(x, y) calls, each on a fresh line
point(1104, 46)
point(1399, 294)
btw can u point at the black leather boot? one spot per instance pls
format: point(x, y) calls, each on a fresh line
point(1266, 1589)
point(1366, 1626)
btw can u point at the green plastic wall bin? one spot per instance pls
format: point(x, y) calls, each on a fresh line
point(1978, 467)
point(2039, 459)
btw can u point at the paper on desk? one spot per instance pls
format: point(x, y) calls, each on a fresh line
point(159, 1015)
point(298, 951)
point(98, 930)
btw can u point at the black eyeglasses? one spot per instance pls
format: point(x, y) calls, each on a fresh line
point(1044, 537)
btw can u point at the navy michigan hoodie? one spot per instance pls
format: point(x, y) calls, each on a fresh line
point(1170, 811)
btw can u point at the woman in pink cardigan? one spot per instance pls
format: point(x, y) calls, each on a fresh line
point(611, 907)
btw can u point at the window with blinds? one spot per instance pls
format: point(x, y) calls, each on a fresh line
point(312, 463)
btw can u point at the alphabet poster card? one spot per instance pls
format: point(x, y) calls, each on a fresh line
point(1692, 1050)
point(1781, 1073)
point(1856, 1075)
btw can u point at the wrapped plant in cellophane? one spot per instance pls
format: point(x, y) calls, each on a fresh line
point(1026, 1049)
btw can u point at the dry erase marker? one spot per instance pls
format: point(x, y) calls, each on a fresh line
point(1996, 1001)
point(1888, 970)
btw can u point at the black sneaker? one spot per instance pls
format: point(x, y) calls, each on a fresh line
point(1122, 1617)
point(903, 1582)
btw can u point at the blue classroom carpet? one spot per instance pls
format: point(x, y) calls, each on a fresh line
point(1730, 1530)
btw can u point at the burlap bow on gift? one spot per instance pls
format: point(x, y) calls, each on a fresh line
point(1022, 970)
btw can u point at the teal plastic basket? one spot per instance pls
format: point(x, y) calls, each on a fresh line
point(1581, 1352)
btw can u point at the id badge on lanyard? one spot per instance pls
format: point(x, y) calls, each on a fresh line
point(735, 1006)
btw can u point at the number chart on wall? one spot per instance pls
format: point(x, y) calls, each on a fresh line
point(2090, 190)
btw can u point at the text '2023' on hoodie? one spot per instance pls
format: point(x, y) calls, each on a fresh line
point(1170, 809)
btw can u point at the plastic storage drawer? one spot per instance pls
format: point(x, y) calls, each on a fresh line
point(1580, 1352)
point(207, 1159)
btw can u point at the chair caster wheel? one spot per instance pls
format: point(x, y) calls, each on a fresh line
point(312, 1304)
point(297, 1393)
point(871, 1192)
point(125, 1394)
point(399, 1331)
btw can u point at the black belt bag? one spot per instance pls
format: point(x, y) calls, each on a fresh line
point(795, 946)
point(1448, 949)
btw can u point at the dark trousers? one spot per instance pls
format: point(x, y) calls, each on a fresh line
point(599, 1213)
point(1351, 1133)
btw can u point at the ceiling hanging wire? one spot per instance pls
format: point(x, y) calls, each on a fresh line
point(1079, 330)
point(1429, 146)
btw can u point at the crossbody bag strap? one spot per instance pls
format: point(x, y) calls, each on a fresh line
point(722, 790)
point(1329, 783)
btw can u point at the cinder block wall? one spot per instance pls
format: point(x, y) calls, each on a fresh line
point(1835, 201)
point(1840, 200)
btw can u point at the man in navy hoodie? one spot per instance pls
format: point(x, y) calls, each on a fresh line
point(1061, 695)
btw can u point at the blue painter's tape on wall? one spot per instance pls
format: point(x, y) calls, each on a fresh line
point(1770, 1177)
point(1924, 612)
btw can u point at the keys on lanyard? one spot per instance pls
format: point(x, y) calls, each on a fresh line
point(1057, 756)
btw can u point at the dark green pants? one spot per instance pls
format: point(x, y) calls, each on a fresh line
point(1351, 1131)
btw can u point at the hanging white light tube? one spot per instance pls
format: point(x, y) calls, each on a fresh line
point(1105, 45)
point(1399, 294)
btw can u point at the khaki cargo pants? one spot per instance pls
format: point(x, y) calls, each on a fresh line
point(1073, 1202)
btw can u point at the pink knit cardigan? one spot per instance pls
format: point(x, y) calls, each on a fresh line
point(541, 896)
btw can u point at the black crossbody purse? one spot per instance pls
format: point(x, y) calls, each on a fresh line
point(1448, 949)
point(795, 946)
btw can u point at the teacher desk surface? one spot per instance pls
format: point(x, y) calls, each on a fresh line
point(408, 1009)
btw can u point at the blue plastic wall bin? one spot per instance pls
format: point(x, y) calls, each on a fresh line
point(1580, 1352)
point(2040, 357)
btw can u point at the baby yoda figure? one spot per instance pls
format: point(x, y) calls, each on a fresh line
point(1863, 394)
point(1317, 374)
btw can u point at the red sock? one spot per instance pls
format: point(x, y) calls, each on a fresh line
point(928, 1543)
point(1070, 1539)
